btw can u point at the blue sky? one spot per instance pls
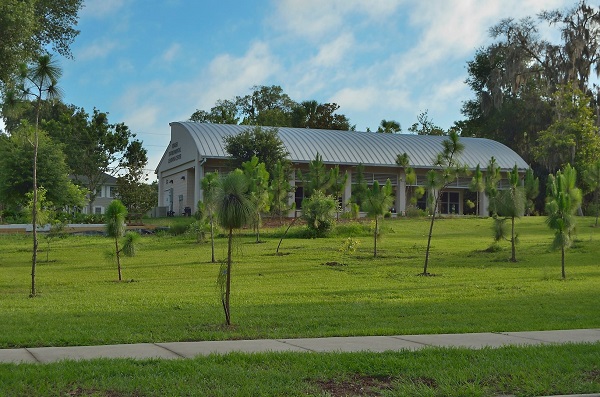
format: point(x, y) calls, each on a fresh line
point(149, 62)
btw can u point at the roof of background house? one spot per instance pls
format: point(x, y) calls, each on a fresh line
point(352, 148)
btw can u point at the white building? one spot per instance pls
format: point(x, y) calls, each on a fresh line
point(198, 148)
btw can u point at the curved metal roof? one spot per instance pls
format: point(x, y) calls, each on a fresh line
point(352, 148)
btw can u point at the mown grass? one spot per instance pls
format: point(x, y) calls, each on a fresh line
point(530, 371)
point(171, 293)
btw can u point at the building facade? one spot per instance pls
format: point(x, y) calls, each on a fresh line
point(198, 148)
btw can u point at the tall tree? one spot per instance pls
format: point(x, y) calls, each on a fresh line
point(263, 143)
point(449, 169)
point(573, 136)
point(591, 177)
point(389, 127)
point(359, 186)
point(425, 126)
point(378, 203)
point(132, 187)
point(224, 112)
point(16, 178)
point(509, 205)
point(38, 81)
point(563, 200)
point(234, 210)
point(29, 27)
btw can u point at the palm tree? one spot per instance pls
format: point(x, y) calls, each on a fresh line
point(37, 81)
point(378, 203)
point(234, 210)
point(210, 184)
point(115, 228)
point(563, 200)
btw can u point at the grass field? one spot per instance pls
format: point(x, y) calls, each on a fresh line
point(171, 292)
point(171, 295)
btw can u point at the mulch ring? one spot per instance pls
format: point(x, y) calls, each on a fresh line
point(357, 385)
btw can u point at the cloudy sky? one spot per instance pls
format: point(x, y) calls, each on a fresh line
point(150, 62)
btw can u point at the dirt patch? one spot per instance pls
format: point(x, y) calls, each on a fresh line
point(357, 385)
point(333, 264)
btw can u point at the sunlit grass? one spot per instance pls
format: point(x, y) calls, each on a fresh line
point(170, 292)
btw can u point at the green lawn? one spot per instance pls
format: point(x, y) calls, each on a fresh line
point(171, 295)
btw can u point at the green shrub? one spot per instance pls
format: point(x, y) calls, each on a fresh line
point(319, 212)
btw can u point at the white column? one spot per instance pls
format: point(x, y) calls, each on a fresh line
point(292, 194)
point(484, 203)
point(198, 175)
point(400, 204)
point(347, 191)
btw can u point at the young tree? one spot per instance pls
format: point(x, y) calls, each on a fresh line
point(115, 228)
point(234, 210)
point(38, 81)
point(378, 203)
point(509, 204)
point(437, 180)
point(591, 176)
point(318, 211)
point(280, 190)
point(477, 185)
point(210, 184)
point(531, 184)
point(338, 184)
point(563, 199)
point(410, 178)
point(359, 186)
point(318, 178)
point(258, 190)
point(491, 180)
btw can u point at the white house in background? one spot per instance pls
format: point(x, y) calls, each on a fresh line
point(105, 193)
point(198, 148)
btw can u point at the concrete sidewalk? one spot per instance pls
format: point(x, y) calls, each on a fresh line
point(174, 350)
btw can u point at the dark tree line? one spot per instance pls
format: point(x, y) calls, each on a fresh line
point(535, 96)
point(270, 106)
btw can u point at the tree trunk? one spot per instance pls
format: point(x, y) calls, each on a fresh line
point(212, 239)
point(563, 261)
point(435, 206)
point(228, 279)
point(513, 258)
point(375, 238)
point(118, 257)
point(34, 212)
point(258, 228)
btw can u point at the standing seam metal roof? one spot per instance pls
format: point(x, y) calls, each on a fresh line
point(352, 148)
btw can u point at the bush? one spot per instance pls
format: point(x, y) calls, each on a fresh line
point(319, 212)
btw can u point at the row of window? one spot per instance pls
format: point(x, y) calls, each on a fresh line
point(112, 192)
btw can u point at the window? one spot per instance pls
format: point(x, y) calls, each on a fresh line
point(98, 210)
point(450, 203)
point(112, 192)
point(99, 191)
point(299, 196)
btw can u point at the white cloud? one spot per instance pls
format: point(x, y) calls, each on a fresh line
point(98, 49)
point(101, 8)
point(171, 53)
point(315, 19)
point(333, 53)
